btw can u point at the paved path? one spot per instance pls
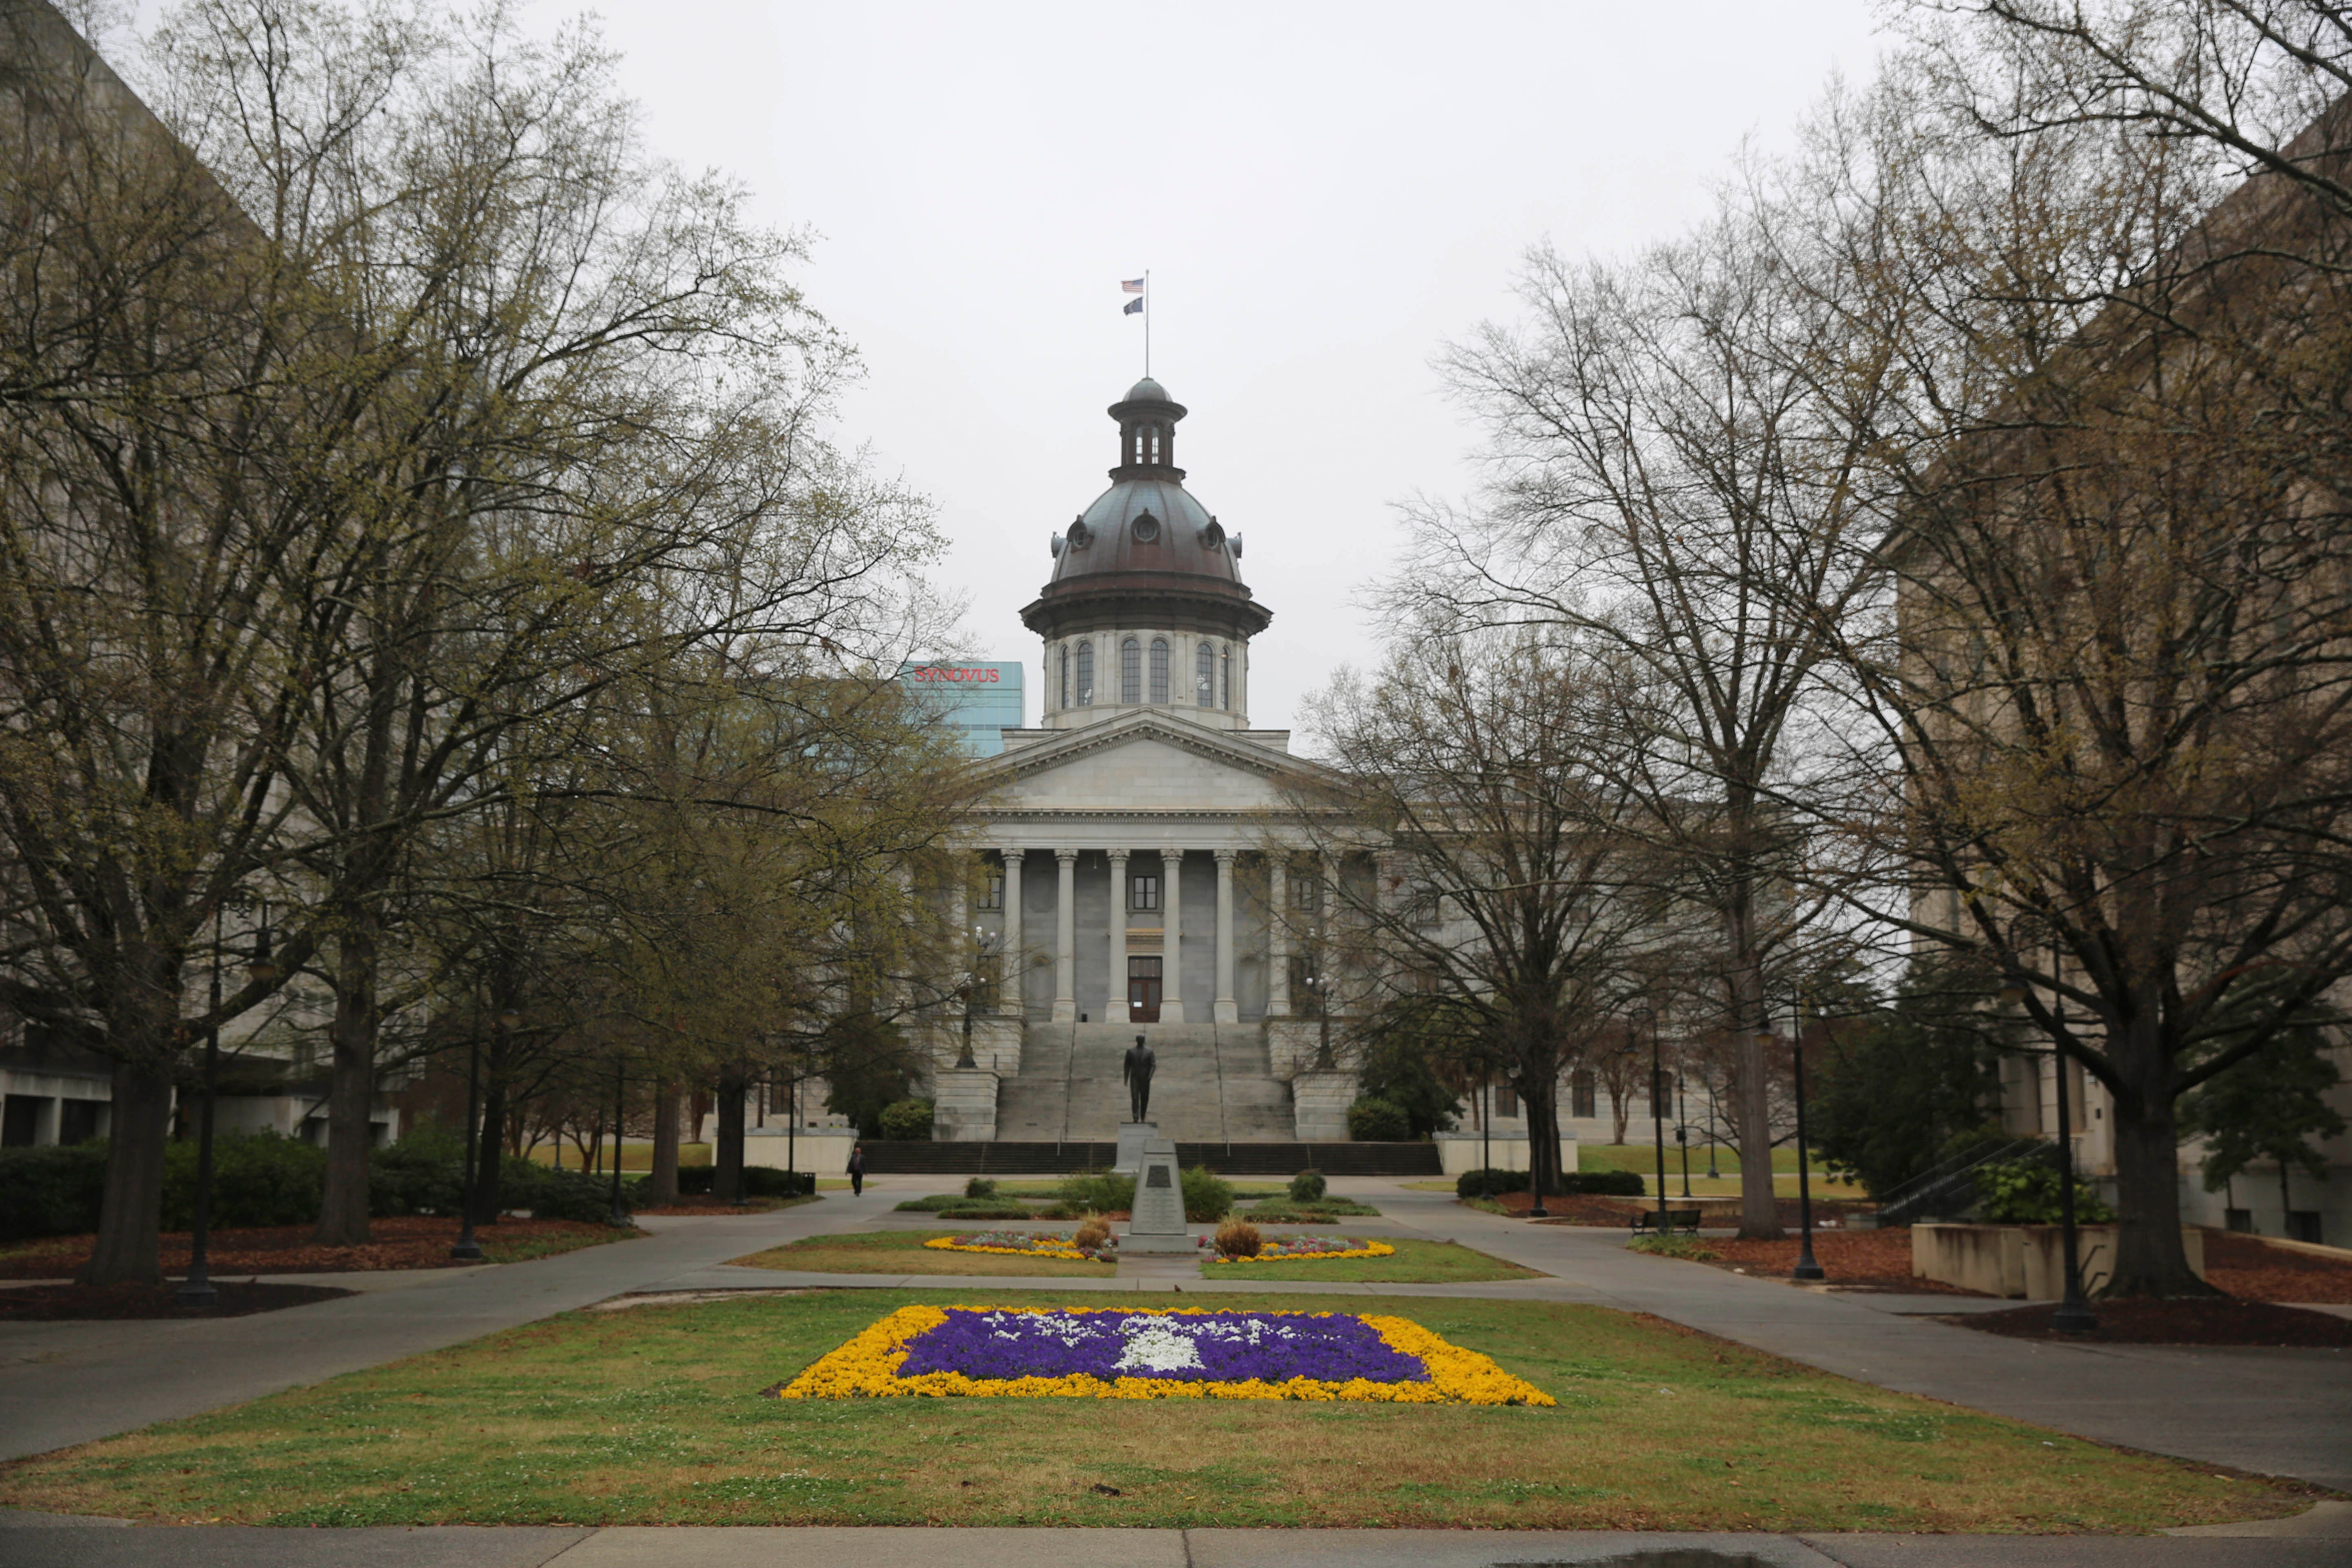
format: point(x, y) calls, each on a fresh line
point(34, 1546)
point(2279, 1412)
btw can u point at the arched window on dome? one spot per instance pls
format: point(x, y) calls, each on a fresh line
point(1130, 671)
point(1085, 674)
point(1228, 658)
point(1159, 669)
point(1204, 676)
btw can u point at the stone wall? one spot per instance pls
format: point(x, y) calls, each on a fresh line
point(1319, 1101)
point(963, 1104)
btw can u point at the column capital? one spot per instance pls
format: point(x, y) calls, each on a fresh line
point(1012, 857)
point(1226, 857)
point(1065, 856)
point(1169, 852)
point(1119, 854)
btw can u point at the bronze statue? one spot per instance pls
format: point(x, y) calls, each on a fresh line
point(1135, 1068)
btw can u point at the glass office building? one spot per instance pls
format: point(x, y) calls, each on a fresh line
point(980, 701)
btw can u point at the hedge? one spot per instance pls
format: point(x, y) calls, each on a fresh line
point(1494, 1184)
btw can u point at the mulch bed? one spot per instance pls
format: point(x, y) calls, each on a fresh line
point(1852, 1259)
point(2194, 1321)
point(2245, 1267)
point(93, 1303)
point(1582, 1208)
point(416, 1241)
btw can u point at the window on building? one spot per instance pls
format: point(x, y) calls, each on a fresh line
point(1143, 892)
point(1579, 1093)
point(1159, 669)
point(1204, 672)
point(1306, 889)
point(992, 893)
point(1130, 671)
point(1065, 675)
point(1228, 658)
point(1086, 675)
point(1507, 1101)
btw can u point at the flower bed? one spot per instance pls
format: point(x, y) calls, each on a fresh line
point(1289, 1249)
point(1025, 1244)
point(1122, 1353)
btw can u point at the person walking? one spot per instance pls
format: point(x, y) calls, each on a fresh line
point(857, 1170)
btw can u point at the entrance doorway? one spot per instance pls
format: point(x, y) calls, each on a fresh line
point(1143, 991)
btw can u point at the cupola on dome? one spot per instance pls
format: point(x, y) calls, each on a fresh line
point(1146, 545)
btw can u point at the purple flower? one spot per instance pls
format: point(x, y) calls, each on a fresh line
point(1217, 1347)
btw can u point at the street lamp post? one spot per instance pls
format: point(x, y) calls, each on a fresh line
point(2073, 1315)
point(615, 1216)
point(1682, 1125)
point(1657, 1108)
point(196, 1289)
point(1806, 1267)
point(1712, 1113)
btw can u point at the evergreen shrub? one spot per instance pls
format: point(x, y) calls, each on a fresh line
point(1306, 1186)
point(907, 1122)
point(1379, 1121)
point(1207, 1197)
point(2025, 1192)
point(258, 1179)
point(53, 1190)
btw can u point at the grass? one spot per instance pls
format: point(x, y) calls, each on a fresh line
point(869, 1252)
point(1690, 1248)
point(654, 1416)
point(1413, 1263)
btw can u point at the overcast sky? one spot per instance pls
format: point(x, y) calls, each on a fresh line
point(1324, 194)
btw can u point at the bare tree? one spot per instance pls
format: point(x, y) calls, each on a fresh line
point(2115, 682)
point(1479, 780)
point(1669, 481)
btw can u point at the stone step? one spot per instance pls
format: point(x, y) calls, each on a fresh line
point(1209, 1084)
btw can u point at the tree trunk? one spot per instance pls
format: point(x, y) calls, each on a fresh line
point(1543, 1142)
point(351, 1093)
point(662, 1190)
point(488, 1153)
point(2150, 1257)
point(130, 1214)
point(727, 1163)
point(1620, 1112)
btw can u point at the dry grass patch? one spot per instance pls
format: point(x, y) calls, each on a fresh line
point(655, 1416)
point(903, 1252)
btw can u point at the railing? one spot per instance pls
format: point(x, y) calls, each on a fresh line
point(1947, 1187)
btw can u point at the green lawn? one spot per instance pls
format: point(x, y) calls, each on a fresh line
point(655, 1416)
point(881, 1252)
point(1413, 1263)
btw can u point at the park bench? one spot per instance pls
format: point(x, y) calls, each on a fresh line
point(1684, 1220)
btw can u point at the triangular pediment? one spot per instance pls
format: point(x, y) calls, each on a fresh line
point(1139, 763)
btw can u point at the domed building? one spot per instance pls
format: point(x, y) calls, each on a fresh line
point(1132, 858)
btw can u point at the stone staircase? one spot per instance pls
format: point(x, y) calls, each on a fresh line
point(1212, 1084)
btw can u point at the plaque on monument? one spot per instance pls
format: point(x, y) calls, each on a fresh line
point(1132, 1137)
point(1156, 1224)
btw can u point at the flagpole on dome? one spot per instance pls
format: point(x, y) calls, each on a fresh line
point(1140, 288)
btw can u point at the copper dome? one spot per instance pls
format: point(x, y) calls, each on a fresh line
point(1146, 549)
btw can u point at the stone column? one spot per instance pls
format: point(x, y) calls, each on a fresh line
point(1228, 1010)
point(1172, 917)
point(1277, 935)
point(1115, 1005)
point(1066, 939)
point(1015, 961)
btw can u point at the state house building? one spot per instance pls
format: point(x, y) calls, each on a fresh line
point(1128, 883)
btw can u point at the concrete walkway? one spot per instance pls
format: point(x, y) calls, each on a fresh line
point(32, 1544)
point(2277, 1412)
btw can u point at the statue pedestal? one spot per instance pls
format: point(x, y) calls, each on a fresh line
point(1156, 1224)
point(1133, 1136)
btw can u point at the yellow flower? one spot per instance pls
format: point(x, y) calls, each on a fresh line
point(1370, 1249)
point(869, 1365)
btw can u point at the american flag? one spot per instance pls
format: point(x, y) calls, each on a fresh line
point(1132, 286)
